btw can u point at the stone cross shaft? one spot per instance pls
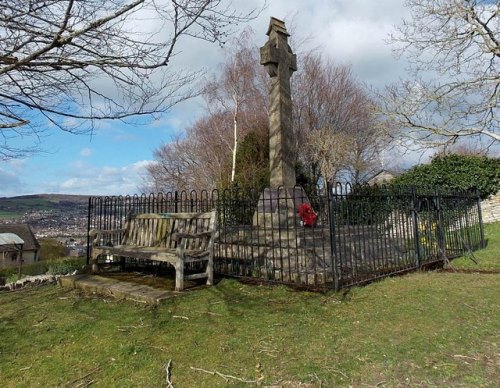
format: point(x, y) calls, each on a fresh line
point(276, 55)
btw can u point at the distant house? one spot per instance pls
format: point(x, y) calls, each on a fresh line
point(10, 251)
point(382, 177)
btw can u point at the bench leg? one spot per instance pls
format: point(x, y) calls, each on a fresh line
point(179, 275)
point(210, 272)
point(122, 263)
point(95, 266)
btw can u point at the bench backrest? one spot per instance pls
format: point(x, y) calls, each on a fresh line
point(159, 229)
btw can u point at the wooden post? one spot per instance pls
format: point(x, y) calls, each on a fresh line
point(179, 275)
point(20, 258)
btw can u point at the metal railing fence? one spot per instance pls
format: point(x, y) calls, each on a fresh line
point(361, 233)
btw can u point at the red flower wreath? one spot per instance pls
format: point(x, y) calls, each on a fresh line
point(307, 215)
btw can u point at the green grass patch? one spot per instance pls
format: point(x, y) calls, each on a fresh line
point(28, 203)
point(423, 329)
point(42, 202)
point(9, 214)
point(488, 259)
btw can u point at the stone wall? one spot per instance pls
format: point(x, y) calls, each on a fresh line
point(9, 259)
point(490, 208)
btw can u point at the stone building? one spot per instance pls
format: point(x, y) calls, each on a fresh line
point(382, 177)
point(10, 251)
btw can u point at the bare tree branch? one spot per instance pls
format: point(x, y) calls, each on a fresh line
point(98, 59)
point(335, 126)
point(459, 42)
point(337, 130)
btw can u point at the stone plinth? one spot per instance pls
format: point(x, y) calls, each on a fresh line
point(290, 255)
point(277, 208)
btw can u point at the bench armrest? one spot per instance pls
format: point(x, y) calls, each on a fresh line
point(183, 242)
point(97, 235)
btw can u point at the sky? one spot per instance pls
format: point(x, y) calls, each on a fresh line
point(112, 161)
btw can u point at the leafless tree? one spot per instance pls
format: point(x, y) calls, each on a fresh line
point(195, 161)
point(334, 122)
point(172, 169)
point(336, 127)
point(328, 150)
point(236, 105)
point(453, 47)
point(238, 89)
point(464, 148)
point(69, 63)
point(368, 139)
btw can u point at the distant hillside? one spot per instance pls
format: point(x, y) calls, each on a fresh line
point(15, 207)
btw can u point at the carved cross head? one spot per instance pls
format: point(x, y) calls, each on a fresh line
point(277, 54)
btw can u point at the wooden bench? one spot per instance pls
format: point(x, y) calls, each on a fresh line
point(175, 238)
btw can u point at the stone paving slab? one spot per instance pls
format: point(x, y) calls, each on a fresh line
point(116, 288)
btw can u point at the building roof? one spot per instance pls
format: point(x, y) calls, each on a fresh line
point(24, 232)
point(382, 176)
point(10, 238)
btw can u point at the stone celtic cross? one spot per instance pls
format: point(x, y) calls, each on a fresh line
point(276, 55)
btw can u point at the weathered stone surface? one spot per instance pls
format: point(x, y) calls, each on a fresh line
point(277, 207)
point(116, 288)
point(490, 208)
point(280, 63)
point(30, 281)
point(295, 255)
point(304, 256)
point(278, 204)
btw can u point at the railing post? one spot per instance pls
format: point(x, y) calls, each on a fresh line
point(416, 234)
point(440, 228)
point(333, 243)
point(88, 231)
point(480, 217)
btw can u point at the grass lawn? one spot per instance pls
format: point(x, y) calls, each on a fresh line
point(487, 259)
point(422, 329)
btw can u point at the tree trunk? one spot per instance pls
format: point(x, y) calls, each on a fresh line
point(235, 146)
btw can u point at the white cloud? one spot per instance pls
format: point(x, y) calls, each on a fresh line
point(10, 181)
point(351, 32)
point(347, 31)
point(399, 157)
point(12, 174)
point(86, 152)
point(14, 165)
point(106, 180)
